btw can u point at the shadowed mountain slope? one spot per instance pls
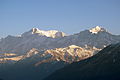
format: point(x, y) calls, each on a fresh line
point(103, 66)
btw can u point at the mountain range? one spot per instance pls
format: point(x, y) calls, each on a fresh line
point(36, 54)
point(43, 40)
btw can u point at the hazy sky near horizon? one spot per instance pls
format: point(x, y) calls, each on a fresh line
point(69, 16)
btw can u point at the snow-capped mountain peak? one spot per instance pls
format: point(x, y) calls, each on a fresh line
point(49, 33)
point(97, 29)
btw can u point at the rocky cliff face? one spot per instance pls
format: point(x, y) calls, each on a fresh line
point(71, 53)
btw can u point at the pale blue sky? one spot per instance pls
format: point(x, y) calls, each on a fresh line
point(69, 16)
